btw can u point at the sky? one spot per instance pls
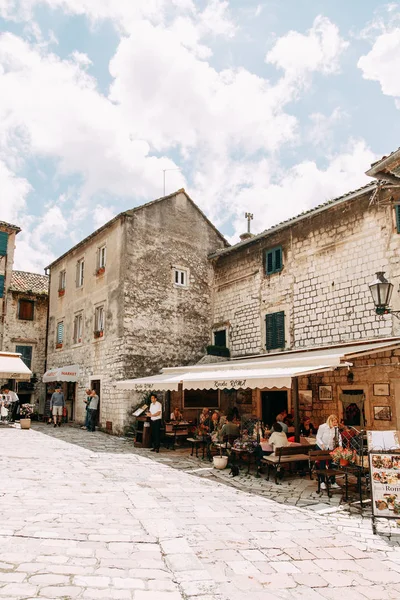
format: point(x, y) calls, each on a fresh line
point(266, 107)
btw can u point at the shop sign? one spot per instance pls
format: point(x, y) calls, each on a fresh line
point(385, 483)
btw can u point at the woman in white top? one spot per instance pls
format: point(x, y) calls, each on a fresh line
point(328, 438)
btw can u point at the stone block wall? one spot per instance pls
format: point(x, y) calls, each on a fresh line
point(329, 258)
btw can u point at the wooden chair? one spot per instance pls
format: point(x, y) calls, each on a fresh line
point(315, 458)
point(286, 455)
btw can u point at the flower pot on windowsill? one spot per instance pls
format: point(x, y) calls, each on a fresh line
point(61, 292)
point(59, 345)
point(25, 423)
point(98, 334)
point(100, 271)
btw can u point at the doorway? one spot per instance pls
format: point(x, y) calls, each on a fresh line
point(272, 404)
point(95, 385)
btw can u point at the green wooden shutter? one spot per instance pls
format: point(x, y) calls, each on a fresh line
point(275, 330)
point(3, 243)
point(60, 333)
point(273, 260)
point(26, 354)
point(397, 209)
point(1, 286)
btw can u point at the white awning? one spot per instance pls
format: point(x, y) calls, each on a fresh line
point(264, 371)
point(12, 367)
point(159, 383)
point(69, 373)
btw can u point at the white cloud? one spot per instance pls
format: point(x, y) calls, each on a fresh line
point(319, 50)
point(382, 63)
point(13, 193)
point(320, 132)
point(103, 214)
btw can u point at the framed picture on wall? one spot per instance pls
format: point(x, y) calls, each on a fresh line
point(325, 392)
point(381, 389)
point(382, 413)
point(305, 399)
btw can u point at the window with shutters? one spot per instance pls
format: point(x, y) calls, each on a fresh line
point(397, 210)
point(80, 269)
point(26, 310)
point(1, 286)
point(78, 328)
point(3, 243)
point(273, 260)
point(275, 330)
point(99, 322)
point(26, 354)
point(60, 334)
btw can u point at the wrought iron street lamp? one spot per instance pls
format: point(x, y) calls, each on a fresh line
point(381, 290)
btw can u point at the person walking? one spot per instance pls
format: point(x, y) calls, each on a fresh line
point(57, 404)
point(92, 411)
point(155, 414)
point(87, 403)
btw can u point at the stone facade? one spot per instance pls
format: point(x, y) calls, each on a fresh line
point(22, 334)
point(329, 258)
point(330, 255)
point(152, 319)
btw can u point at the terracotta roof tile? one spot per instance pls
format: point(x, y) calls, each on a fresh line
point(29, 282)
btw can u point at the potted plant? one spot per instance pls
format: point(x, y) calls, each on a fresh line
point(25, 412)
point(100, 270)
point(98, 334)
point(343, 456)
point(220, 461)
point(61, 291)
point(59, 345)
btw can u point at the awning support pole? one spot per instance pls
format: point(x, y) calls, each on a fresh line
point(295, 404)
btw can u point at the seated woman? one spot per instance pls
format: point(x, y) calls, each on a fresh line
point(278, 438)
point(176, 415)
point(307, 428)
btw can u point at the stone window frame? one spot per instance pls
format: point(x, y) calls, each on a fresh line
point(178, 271)
point(77, 340)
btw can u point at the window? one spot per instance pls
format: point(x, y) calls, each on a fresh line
point(78, 327)
point(1, 286)
point(99, 321)
point(273, 260)
point(101, 257)
point(80, 267)
point(220, 338)
point(25, 310)
point(61, 280)
point(3, 243)
point(60, 334)
point(275, 330)
point(180, 277)
point(26, 354)
point(397, 211)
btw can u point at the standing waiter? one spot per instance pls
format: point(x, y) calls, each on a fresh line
point(155, 414)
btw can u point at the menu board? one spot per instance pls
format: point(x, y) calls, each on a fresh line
point(383, 440)
point(385, 484)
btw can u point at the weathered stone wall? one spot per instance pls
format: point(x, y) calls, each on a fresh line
point(329, 259)
point(166, 325)
point(150, 322)
point(98, 358)
point(28, 333)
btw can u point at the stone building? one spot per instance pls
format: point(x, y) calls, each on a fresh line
point(130, 298)
point(25, 330)
point(293, 306)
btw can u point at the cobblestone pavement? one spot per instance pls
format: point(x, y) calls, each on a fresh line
point(295, 491)
point(94, 523)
